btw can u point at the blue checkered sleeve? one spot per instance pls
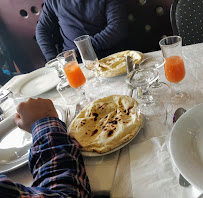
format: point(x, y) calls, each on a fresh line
point(55, 162)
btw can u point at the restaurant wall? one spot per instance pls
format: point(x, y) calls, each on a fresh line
point(19, 19)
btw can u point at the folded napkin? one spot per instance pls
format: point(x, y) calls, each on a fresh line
point(153, 173)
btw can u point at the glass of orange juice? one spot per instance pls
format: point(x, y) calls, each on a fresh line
point(174, 66)
point(73, 92)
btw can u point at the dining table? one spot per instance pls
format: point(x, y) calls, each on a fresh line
point(143, 168)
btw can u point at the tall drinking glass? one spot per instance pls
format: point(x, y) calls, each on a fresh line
point(88, 55)
point(174, 66)
point(76, 80)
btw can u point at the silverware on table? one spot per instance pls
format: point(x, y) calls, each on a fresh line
point(183, 182)
point(178, 113)
point(1, 114)
point(130, 67)
point(129, 64)
point(4, 95)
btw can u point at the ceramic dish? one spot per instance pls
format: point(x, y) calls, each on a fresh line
point(35, 83)
point(186, 146)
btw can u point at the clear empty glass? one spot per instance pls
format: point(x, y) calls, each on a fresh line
point(174, 67)
point(88, 55)
point(140, 79)
point(159, 90)
point(54, 63)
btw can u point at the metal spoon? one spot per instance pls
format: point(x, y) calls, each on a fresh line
point(1, 114)
point(179, 112)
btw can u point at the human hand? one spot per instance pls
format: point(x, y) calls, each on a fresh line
point(32, 110)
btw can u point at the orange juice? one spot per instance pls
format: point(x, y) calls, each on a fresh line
point(174, 69)
point(74, 74)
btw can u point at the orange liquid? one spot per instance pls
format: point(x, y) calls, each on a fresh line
point(74, 74)
point(174, 69)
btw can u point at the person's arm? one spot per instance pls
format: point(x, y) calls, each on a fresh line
point(46, 27)
point(116, 29)
point(55, 159)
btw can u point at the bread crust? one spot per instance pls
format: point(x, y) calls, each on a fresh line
point(115, 64)
point(106, 123)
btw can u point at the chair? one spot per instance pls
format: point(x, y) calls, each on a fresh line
point(186, 18)
point(148, 22)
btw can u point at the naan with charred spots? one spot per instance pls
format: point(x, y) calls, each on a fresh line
point(107, 123)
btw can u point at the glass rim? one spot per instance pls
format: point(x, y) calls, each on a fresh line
point(52, 61)
point(144, 61)
point(135, 71)
point(168, 37)
point(131, 74)
point(72, 52)
point(81, 38)
point(60, 56)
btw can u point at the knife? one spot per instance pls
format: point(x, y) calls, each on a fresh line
point(129, 67)
point(129, 64)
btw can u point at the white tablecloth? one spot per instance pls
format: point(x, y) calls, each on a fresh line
point(143, 168)
point(100, 170)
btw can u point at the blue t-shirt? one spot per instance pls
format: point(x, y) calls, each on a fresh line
point(104, 20)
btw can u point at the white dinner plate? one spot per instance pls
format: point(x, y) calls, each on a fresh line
point(35, 83)
point(95, 154)
point(15, 143)
point(186, 145)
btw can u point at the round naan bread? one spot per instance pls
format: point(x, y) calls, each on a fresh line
point(106, 123)
point(115, 64)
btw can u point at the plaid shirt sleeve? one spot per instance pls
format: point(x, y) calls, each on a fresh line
point(55, 162)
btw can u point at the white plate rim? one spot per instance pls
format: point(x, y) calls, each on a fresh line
point(193, 181)
point(24, 159)
point(6, 167)
point(17, 85)
point(14, 165)
point(95, 154)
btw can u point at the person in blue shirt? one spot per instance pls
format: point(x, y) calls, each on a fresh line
point(62, 21)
